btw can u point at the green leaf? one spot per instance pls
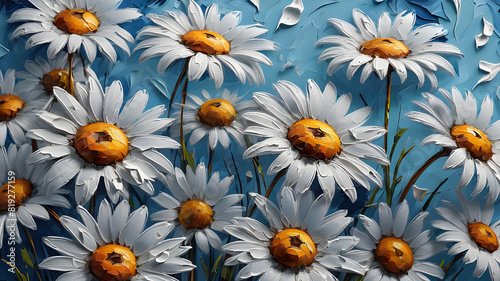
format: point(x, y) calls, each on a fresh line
point(227, 273)
point(397, 137)
point(19, 275)
point(188, 156)
point(26, 258)
point(205, 267)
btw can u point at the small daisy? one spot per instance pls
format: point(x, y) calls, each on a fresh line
point(23, 192)
point(300, 243)
point(17, 110)
point(208, 42)
point(198, 206)
point(314, 136)
point(465, 136)
point(116, 247)
point(472, 233)
point(41, 75)
point(92, 24)
point(98, 141)
point(388, 47)
point(216, 117)
point(396, 250)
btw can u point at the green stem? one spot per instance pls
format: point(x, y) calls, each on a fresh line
point(183, 144)
point(448, 266)
point(183, 74)
point(387, 169)
point(442, 153)
point(35, 264)
point(270, 189)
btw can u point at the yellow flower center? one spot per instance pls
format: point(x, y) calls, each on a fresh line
point(217, 112)
point(113, 263)
point(195, 214)
point(10, 105)
point(57, 77)
point(385, 48)
point(101, 143)
point(483, 236)
point(207, 42)
point(314, 139)
point(77, 21)
point(394, 255)
point(472, 139)
point(14, 193)
point(293, 247)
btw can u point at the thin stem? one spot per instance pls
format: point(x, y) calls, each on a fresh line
point(448, 266)
point(210, 161)
point(183, 144)
point(53, 214)
point(181, 76)
point(70, 71)
point(270, 189)
point(442, 153)
point(192, 257)
point(387, 169)
point(35, 264)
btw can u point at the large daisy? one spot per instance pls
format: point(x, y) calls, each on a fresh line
point(198, 207)
point(472, 233)
point(301, 243)
point(23, 192)
point(395, 250)
point(465, 136)
point(388, 46)
point(98, 141)
point(42, 75)
point(92, 24)
point(314, 136)
point(218, 117)
point(116, 247)
point(17, 110)
point(208, 42)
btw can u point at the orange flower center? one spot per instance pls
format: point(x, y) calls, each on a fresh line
point(385, 48)
point(217, 112)
point(195, 214)
point(57, 77)
point(207, 42)
point(10, 105)
point(314, 139)
point(483, 236)
point(113, 263)
point(101, 143)
point(472, 139)
point(394, 255)
point(14, 193)
point(293, 247)
point(77, 21)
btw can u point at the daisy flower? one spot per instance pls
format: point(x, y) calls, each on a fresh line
point(314, 136)
point(386, 47)
point(17, 110)
point(218, 117)
point(299, 244)
point(98, 141)
point(116, 247)
point(198, 207)
point(208, 42)
point(42, 75)
point(23, 192)
point(92, 24)
point(472, 233)
point(394, 249)
point(465, 136)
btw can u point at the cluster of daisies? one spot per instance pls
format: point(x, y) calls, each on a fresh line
point(66, 132)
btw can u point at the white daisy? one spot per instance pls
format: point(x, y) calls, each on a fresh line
point(17, 110)
point(216, 117)
point(92, 24)
point(314, 136)
point(198, 207)
point(472, 233)
point(300, 243)
point(116, 247)
point(208, 42)
point(473, 143)
point(23, 192)
point(98, 141)
point(388, 47)
point(395, 250)
point(42, 75)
